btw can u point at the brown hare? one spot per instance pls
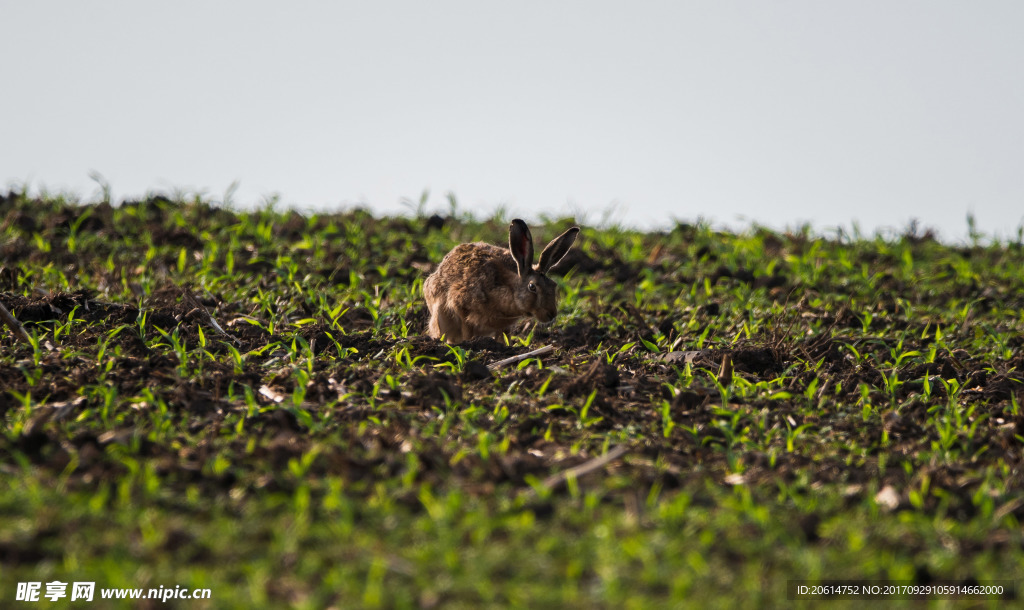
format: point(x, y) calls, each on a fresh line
point(480, 289)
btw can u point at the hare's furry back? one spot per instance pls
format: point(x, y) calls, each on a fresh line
point(480, 289)
point(471, 294)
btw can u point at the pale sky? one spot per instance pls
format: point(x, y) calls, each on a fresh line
point(776, 112)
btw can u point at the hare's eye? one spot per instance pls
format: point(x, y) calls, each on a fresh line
point(532, 287)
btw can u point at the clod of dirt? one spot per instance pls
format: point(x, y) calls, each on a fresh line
point(689, 399)
point(599, 376)
point(710, 309)
point(431, 389)
point(435, 223)
point(319, 337)
point(362, 341)
point(474, 370)
point(485, 344)
point(758, 360)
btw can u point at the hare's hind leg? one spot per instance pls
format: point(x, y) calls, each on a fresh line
point(440, 322)
point(433, 329)
point(445, 322)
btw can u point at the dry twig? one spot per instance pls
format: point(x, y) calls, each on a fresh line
point(11, 322)
point(586, 467)
point(192, 300)
point(547, 349)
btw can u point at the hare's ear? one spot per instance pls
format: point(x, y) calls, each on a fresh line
point(558, 248)
point(520, 242)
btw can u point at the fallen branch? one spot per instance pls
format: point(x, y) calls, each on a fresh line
point(12, 323)
point(547, 349)
point(586, 467)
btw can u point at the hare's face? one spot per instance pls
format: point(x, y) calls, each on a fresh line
point(537, 297)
